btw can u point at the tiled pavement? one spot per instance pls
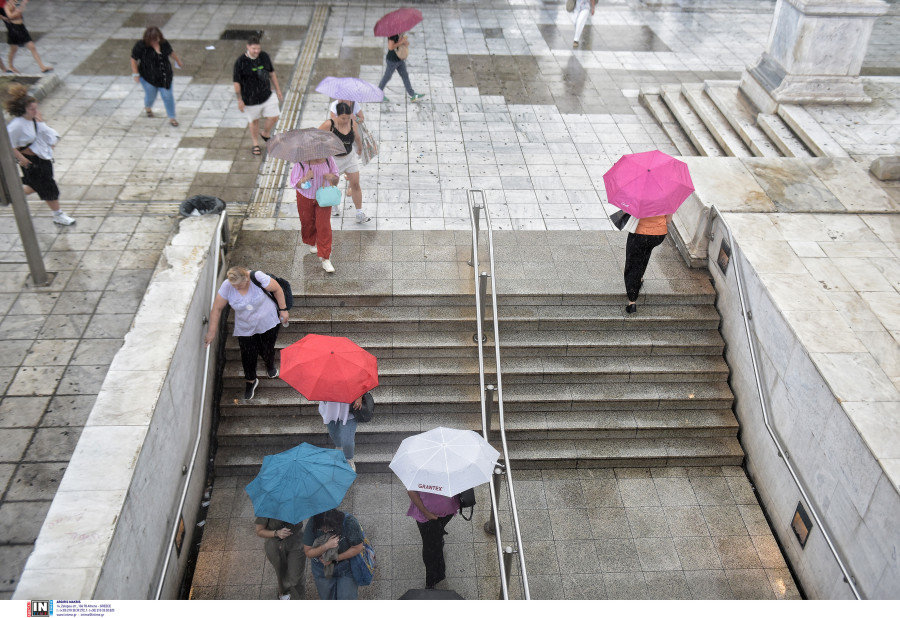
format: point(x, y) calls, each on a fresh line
point(627, 533)
point(57, 343)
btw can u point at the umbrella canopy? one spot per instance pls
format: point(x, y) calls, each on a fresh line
point(648, 184)
point(444, 461)
point(350, 89)
point(304, 145)
point(299, 483)
point(326, 368)
point(395, 22)
point(430, 594)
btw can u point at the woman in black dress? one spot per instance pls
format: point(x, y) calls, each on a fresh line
point(150, 67)
point(17, 34)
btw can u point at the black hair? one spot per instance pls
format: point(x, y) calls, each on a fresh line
point(343, 108)
point(253, 40)
point(333, 519)
point(395, 38)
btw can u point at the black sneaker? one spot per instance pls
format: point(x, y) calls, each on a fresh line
point(272, 373)
point(250, 389)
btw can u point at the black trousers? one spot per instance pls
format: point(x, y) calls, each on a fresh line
point(433, 533)
point(638, 248)
point(260, 344)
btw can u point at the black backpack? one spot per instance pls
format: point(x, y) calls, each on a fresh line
point(367, 410)
point(285, 286)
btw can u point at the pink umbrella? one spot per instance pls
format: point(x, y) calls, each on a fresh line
point(396, 22)
point(647, 184)
point(350, 89)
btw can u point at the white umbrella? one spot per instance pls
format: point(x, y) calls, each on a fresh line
point(444, 461)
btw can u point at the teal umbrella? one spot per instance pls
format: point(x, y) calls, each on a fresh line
point(299, 483)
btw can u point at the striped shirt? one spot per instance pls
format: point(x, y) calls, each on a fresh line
point(299, 171)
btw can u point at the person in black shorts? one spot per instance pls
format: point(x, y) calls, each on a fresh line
point(254, 77)
point(17, 34)
point(32, 141)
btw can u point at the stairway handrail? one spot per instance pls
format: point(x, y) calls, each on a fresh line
point(485, 421)
point(715, 213)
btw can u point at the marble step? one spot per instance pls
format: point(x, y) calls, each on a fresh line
point(524, 343)
point(532, 454)
point(414, 371)
point(782, 136)
point(696, 130)
point(651, 99)
point(463, 398)
point(393, 428)
point(741, 115)
point(714, 121)
point(810, 132)
point(340, 320)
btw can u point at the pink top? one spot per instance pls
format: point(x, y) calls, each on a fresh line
point(299, 171)
point(436, 503)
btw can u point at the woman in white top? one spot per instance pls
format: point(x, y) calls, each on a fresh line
point(583, 10)
point(341, 426)
point(358, 114)
point(257, 319)
point(33, 141)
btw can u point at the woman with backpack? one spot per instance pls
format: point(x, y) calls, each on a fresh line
point(342, 532)
point(432, 513)
point(253, 296)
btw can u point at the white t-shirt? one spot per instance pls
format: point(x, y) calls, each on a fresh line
point(334, 104)
point(335, 411)
point(21, 133)
point(254, 312)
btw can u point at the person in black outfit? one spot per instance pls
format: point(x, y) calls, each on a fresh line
point(150, 67)
point(253, 72)
point(393, 62)
point(17, 35)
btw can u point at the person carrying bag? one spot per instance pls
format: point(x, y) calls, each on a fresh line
point(315, 182)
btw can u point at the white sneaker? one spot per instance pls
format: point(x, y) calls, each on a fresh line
point(361, 216)
point(313, 249)
point(352, 465)
point(335, 211)
point(326, 264)
point(286, 597)
point(62, 218)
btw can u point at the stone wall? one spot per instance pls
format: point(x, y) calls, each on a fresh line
point(858, 502)
point(119, 496)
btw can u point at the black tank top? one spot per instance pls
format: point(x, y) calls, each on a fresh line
point(346, 139)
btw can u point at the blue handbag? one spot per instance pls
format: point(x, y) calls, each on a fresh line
point(328, 196)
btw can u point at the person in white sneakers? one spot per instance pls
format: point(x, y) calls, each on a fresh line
point(346, 130)
point(33, 141)
point(341, 425)
point(315, 221)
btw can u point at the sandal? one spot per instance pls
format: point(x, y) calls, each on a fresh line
point(173, 122)
point(149, 113)
point(257, 151)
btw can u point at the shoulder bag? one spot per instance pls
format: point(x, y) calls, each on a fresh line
point(570, 5)
point(367, 410)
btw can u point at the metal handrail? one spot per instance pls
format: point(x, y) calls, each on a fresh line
point(187, 480)
point(782, 452)
point(502, 556)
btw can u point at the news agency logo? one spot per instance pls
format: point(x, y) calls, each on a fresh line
point(40, 608)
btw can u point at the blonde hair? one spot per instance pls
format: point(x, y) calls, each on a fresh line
point(237, 275)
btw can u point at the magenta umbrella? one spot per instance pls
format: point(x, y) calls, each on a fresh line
point(350, 89)
point(647, 184)
point(396, 22)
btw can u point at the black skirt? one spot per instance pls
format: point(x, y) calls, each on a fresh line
point(39, 176)
point(17, 34)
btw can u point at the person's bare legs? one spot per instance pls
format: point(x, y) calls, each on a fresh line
point(37, 57)
point(356, 194)
point(53, 204)
point(270, 124)
point(12, 54)
point(254, 132)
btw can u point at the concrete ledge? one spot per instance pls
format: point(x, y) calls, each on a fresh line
point(91, 522)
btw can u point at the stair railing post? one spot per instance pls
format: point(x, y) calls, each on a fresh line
point(489, 391)
point(507, 566)
point(476, 212)
point(482, 290)
point(491, 526)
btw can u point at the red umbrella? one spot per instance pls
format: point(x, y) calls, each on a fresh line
point(326, 368)
point(396, 22)
point(648, 184)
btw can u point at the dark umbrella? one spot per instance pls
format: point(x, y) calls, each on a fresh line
point(395, 22)
point(424, 594)
point(304, 145)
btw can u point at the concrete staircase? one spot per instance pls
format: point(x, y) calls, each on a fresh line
point(585, 384)
point(715, 119)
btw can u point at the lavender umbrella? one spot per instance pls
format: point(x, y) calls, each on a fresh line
point(350, 89)
point(395, 22)
point(304, 145)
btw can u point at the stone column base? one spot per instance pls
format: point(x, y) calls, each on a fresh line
point(780, 87)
